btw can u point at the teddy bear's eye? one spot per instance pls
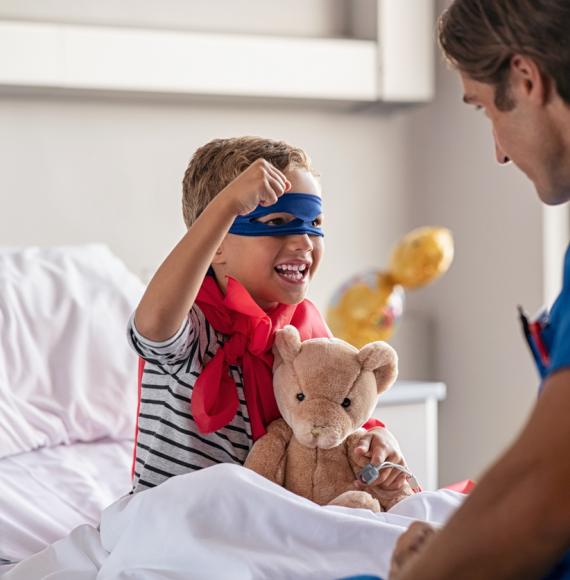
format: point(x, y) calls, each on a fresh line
point(346, 403)
point(300, 397)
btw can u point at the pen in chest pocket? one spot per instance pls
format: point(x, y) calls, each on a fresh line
point(534, 333)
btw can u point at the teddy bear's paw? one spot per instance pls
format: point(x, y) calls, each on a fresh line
point(357, 499)
point(388, 499)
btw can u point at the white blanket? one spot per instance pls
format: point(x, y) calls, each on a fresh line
point(228, 522)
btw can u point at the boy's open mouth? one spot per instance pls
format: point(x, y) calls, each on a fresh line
point(293, 272)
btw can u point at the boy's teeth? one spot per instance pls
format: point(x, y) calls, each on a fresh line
point(292, 271)
point(293, 267)
point(293, 275)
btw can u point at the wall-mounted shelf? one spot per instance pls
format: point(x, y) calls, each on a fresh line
point(397, 66)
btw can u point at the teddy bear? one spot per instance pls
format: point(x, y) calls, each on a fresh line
point(325, 389)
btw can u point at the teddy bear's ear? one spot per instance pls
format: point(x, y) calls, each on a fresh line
point(380, 358)
point(287, 344)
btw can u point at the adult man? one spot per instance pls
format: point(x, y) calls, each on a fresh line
point(513, 57)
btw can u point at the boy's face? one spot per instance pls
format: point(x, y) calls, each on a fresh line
point(530, 134)
point(274, 269)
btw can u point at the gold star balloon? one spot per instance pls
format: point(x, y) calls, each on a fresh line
point(368, 306)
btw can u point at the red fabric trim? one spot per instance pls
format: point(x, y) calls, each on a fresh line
point(372, 423)
point(139, 389)
point(464, 486)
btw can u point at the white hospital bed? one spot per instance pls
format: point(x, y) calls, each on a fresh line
point(67, 415)
point(67, 391)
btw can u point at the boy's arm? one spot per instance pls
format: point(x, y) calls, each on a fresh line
point(516, 522)
point(173, 289)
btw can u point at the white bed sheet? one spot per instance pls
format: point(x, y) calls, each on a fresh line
point(46, 493)
point(229, 522)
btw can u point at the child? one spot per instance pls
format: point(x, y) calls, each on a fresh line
point(206, 322)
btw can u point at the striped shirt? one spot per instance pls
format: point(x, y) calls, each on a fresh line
point(169, 442)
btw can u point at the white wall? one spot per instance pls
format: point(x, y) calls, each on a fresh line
point(109, 169)
point(123, 157)
point(123, 162)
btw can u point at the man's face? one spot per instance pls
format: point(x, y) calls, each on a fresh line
point(527, 135)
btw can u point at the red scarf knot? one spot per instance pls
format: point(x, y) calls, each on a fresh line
point(250, 331)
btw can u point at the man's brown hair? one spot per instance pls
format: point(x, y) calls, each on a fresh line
point(480, 37)
point(216, 164)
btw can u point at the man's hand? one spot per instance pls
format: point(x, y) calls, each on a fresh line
point(260, 184)
point(377, 446)
point(409, 545)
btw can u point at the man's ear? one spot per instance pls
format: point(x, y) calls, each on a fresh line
point(528, 81)
point(380, 358)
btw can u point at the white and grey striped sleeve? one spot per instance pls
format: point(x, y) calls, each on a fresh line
point(191, 340)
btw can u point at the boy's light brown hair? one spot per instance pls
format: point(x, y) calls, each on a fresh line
point(214, 165)
point(480, 37)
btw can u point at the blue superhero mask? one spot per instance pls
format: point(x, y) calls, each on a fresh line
point(304, 207)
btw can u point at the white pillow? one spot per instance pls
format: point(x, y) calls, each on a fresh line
point(66, 371)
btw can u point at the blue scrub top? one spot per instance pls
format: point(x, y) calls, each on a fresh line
point(556, 333)
point(555, 336)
